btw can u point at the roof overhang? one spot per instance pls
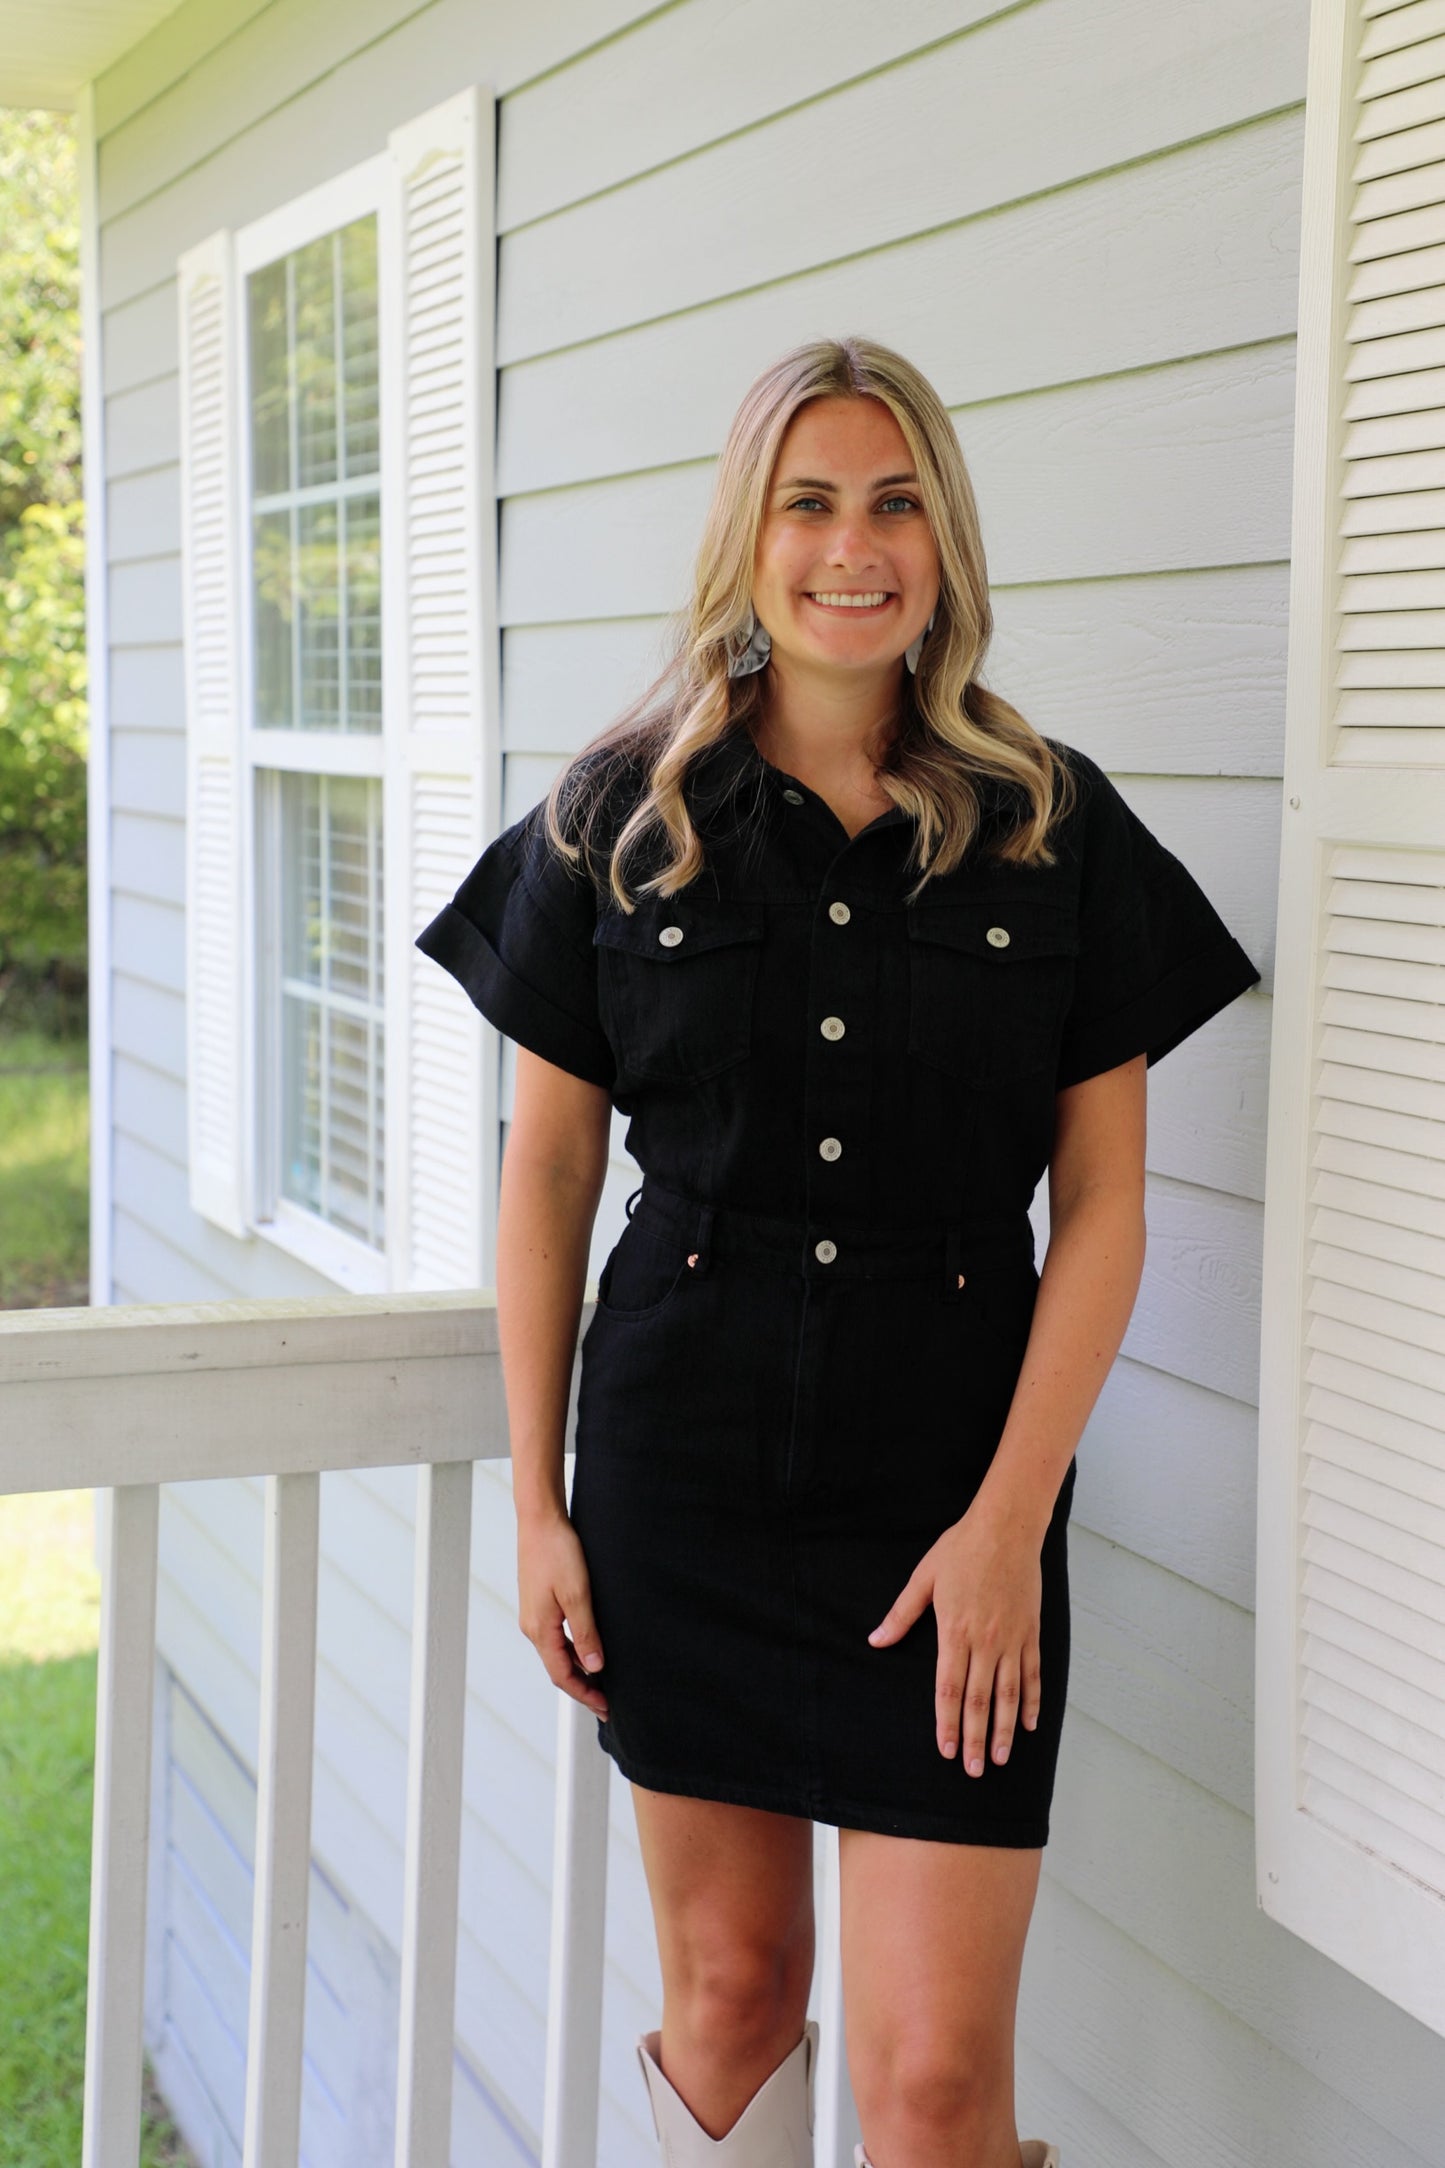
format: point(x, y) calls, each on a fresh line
point(50, 48)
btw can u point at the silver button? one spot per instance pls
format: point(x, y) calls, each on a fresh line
point(825, 1251)
point(794, 797)
point(998, 935)
point(839, 913)
point(830, 1147)
point(671, 935)
point(832, 1027)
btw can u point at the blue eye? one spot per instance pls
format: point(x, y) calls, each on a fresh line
point(800, 503)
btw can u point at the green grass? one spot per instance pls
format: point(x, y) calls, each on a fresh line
point(49, 1617)
point(44, 1171)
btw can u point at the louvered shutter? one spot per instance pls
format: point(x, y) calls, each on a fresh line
point(442, 677)
point(217, 1055)
point(1350, 1679)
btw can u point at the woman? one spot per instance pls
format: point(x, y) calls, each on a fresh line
point(860, 954)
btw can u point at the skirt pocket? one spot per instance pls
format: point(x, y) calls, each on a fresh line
point(642, 1274)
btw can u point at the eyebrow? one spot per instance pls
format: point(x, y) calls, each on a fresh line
point(811, 481)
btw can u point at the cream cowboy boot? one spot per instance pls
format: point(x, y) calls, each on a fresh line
point(1036, 2152)
point(775, 2129)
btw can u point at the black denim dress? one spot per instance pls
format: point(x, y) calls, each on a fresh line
point(807, 1336)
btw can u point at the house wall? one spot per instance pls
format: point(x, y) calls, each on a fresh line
point(1080, 218)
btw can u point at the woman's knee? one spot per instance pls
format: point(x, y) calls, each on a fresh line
point(739, 1986)
point(942, 2086)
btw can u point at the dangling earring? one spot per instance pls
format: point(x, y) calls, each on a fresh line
point(914, 648)
point(757, 646)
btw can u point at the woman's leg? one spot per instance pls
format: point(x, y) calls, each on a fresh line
point(932, 1944)
point(732, 1900)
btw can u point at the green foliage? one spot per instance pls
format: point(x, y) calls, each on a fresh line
point(42, 740)
point(39, 314)
point(49, 1618)
point(42, 558)
point(44, 1176)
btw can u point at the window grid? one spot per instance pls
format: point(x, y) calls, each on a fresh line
point(314, 475)
point(328, 1028)
point(325, 520)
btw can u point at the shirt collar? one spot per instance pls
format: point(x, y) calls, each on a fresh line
point(735, 755)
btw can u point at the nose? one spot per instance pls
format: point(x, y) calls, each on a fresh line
point(852, 546)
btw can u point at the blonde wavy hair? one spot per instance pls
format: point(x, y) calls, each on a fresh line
point(952, 733)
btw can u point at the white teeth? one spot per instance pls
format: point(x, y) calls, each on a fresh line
point(851, 602)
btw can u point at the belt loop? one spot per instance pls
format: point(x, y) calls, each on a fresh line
point(701, 1256)
point(631, 1204)
point(953, 1263)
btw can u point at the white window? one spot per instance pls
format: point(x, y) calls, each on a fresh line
point(339, 558)
point(1350, 1706)
point(312, 605)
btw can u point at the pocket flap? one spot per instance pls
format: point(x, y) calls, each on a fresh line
point(1000, 929)
point(669, 928)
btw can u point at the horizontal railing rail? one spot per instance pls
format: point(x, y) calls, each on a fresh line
point(126, 1399)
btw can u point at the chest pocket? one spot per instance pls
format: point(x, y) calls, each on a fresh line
point(990, 979)
point(676, 981)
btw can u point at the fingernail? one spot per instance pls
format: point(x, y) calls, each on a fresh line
point(592, 1662)
point(975, 1767)
point(950, 1746)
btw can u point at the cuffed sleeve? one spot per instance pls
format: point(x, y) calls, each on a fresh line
point(1156, 959)
point(517, 936)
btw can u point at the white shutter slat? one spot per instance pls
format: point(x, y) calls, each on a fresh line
point(441, 646)
point(1367, 1829)
point(217, 1053)
point(1391, 632)
point(1350, 1668)
point(1412, 1677)
point(1407, 1719)
point(1333, 1594)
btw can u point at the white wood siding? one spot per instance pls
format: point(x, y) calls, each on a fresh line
point(1081, 217)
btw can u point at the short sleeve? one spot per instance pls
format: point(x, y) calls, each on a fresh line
point(1155, 958)
point(517, 936)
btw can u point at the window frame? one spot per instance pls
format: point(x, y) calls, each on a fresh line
point(262, 753)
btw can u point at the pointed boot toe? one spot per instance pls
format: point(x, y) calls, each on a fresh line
point(775, 2129)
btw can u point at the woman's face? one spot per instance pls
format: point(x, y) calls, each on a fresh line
point(844, 520)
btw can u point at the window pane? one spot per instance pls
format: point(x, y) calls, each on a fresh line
point(318, 617)
point(331, 1033)
point(361, 443)
point(363, 612)
point(315, 457)
point(270, 383)
point(273, 602)
point(314, 361)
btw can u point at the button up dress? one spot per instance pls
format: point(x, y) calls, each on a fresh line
point(807, 1336)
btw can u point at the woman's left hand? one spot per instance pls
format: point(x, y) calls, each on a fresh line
point(986, 1586)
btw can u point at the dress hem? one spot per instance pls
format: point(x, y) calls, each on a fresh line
point(837, 1813)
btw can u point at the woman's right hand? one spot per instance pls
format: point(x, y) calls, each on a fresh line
point(553, 1584)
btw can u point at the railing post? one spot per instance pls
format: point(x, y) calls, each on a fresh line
point(579, 1920)
point(276, 2032)
point(124, 1702)
point(440, 1604)
point(835, 2125)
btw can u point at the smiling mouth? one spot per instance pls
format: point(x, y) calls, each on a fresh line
point(865, 604)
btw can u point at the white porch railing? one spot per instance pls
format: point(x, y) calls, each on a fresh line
point(127, 1399)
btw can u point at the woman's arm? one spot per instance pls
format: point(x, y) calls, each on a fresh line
point(983, 1576)
point(552, 1176)
point(1086, 1294)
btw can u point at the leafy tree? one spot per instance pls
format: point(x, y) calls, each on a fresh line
point(43, 733)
